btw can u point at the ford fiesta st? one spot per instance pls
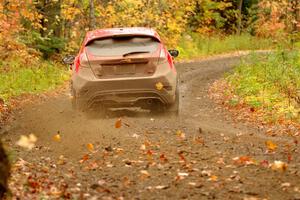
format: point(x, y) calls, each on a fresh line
point(124, 67)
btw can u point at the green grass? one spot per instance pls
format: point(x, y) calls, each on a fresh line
point(270, 82)
point(16, 79)
point(194, 45)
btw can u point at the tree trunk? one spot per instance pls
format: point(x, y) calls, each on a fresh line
point(296, 9)
point(239, 25)
point(4, 171)
point(92, 23)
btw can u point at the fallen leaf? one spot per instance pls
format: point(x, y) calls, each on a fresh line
point(159, 86)
point(119, 150)
point(143, 147)
point(221, 161)
point(206, 173)
point(61, 160)
point(92, 165)
point(271, 146)
point(179, 178)
point(289, 158)
point(198, 140)
point(279, 166)
point(101, 182)
point(264, 163)
point(144, 174)
point(213, 178)
point(57, 137)
point(135, 135)
point(109, 165)
point(181, 157)
point(126, 181)
point(251, 198)
point(149, 154)
point(183, 174)
point(163, 158)
point(243, 160)
point(118, 123)
point(286, 184)
point(192, 183)
point(162, 187)
point(27, 142)
point(90, 147)
point(84, 158)
point(180, 134)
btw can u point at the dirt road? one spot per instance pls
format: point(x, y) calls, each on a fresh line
point(202, 154)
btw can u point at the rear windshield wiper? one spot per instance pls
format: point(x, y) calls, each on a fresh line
point(135, 52)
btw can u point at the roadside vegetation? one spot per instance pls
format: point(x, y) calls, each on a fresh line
point(270, 82)
point(195, 46)
point(266, 84)
point(15, 79)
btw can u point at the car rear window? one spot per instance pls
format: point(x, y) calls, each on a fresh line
point(118, 46)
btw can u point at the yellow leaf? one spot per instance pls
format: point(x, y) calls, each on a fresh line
point(279, 166)
point(57, 137)
point(143, 147)
point(27, 142)
point(90, 147)
point(180, 134)
point(213, 178)
point(159, 86)
point(118, 123)
point(271, 146)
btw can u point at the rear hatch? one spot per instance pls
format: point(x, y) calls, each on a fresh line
point(123, 56)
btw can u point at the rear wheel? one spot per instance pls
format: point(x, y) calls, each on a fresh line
point(174, 108)
point(74, 103)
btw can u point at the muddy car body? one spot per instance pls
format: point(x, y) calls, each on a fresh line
point(123, 67)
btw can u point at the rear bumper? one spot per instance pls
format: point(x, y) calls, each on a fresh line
point(130, 91)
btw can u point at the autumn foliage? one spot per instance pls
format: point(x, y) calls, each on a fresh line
point(49, 27)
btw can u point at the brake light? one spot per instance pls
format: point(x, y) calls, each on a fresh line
point(170, 60)
point(77, 63)
point(165, 57)
point(80, 61)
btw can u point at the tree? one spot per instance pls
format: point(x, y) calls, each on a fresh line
point(240, 17)
point(92, 20)
point(4, 171)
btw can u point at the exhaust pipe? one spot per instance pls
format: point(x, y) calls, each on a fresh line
point(149, 101)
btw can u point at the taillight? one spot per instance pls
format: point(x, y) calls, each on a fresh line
point(77, 63)
point(165, 57)
point(80, 61)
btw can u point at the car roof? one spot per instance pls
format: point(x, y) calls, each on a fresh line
point(109, 32)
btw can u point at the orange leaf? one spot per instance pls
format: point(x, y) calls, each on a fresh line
point(243, 160)
point(163, 158)
point(118, 123)
point(84, 158)
point(90, 147)
point(213, 178)
point(57, 137)
point(271, 146)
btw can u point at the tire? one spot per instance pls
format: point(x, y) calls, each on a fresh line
point(174, 108)
point(74, 103)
